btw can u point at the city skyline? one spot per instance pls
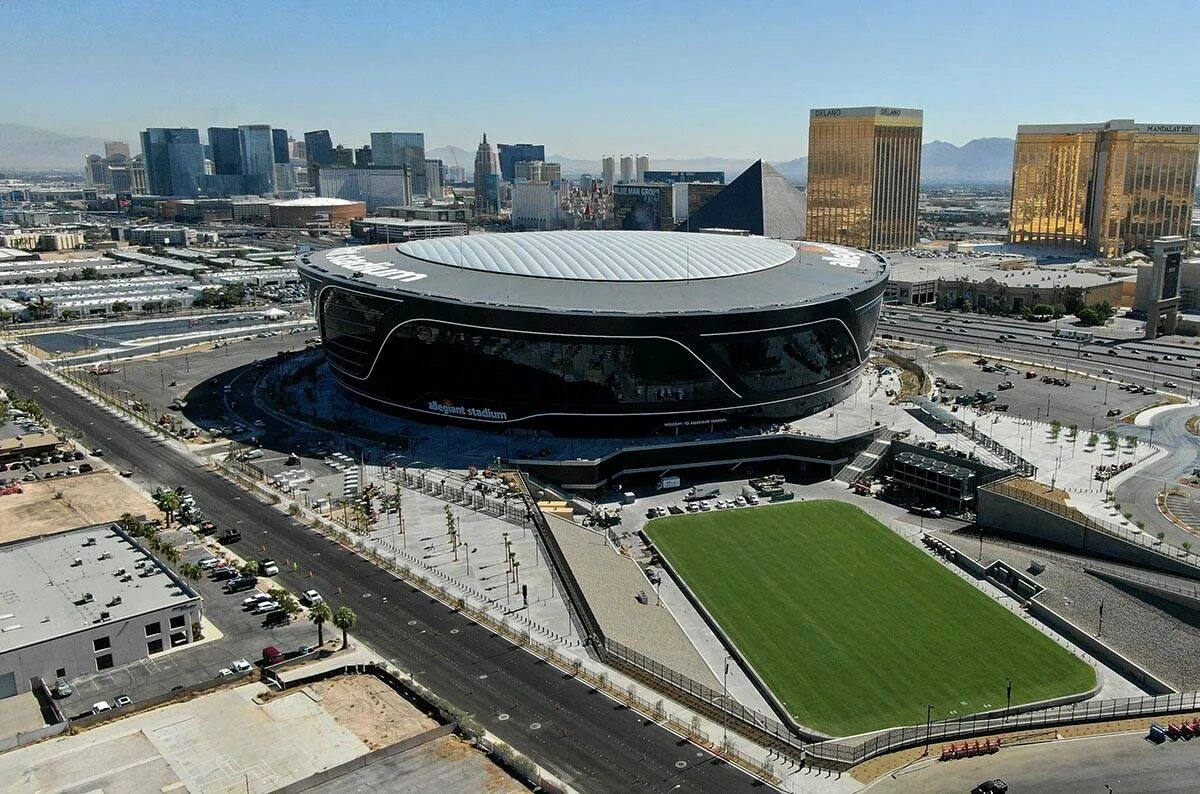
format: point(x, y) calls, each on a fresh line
point(897, 56)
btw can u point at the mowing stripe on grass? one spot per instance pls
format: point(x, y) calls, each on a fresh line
point(852, 626)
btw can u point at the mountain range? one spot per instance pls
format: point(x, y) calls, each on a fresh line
point(982, 160)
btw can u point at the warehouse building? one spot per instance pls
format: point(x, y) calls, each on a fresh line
point(86, 601)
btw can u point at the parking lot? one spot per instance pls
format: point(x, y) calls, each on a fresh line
point(1087, 402)
point(243, 635)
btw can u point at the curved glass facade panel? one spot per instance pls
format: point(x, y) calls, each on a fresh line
point(770, 362)
point(429, 360)
point(349, 323)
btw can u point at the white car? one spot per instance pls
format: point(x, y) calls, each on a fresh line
point(268, 567)
point(1170, 384)
point(224, 672)
point(101, 707)
point(208, 563)
point(705, 505)
point(692, 507)
point(270, 605)
point(1107, 372)
point(242, 666)
point(312, 598)
point(254, 599)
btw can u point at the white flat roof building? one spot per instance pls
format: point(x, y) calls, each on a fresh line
point(87, 600)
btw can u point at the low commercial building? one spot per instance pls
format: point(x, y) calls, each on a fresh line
point(644, 207)
point(1001, 282)
point(154, 235)
point(399, 230)
point(86, 601)
point(316, 210)
point(434, 212)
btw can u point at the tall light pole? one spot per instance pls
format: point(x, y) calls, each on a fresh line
point(928, 727)
point(1008, 705)
point(725, 704)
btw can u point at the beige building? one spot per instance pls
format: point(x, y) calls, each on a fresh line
point(303, 211)
point(537, 171)
point(1110, 188)
point(864, 170)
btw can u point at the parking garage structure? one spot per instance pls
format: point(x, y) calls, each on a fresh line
point(598, 333)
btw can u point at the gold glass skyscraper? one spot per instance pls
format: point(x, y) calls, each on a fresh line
point(864, 172)
point(1111, 187)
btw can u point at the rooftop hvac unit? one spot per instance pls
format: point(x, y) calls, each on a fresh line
point(87, 598)
point(104, 615)
point(106, 555)
point(76, 563)
point(114, 601)
point(91, 541)
point(120, 572)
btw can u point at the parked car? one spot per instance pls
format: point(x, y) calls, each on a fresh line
point(311, 597)
point(63, 688)
point(272, 655)
point(255, 599)
point(268, 567)
point(242, 666)
point(221, 574)
point(122, 701)
point(101, 707)
point(263, 607)
point(208, 563)
point(84, 468)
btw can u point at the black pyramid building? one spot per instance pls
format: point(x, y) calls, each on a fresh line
point(760, 201)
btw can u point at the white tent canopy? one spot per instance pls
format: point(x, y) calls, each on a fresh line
point(275, 314)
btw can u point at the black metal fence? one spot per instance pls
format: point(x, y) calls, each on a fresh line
point(1022, 466)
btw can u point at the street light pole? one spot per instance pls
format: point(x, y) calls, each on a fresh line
point(928, 727)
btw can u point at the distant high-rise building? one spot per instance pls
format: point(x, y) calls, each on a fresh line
point(627, 173)
point(318, 148)
point(376, 186)
point(258, 153)
point(138, 184)
point(537, 171)
point(1111, 187)
point(363, 157)
point(341, 157)
point(486, 165)
point(116, 149)
point(864, 171)
point(279, 142)
point(510, 154)
point(298, 150)
point(453, 174)
point(433, 173)
point(608, 172)
point(174, 160)
point(226, 146)
point(673, 177)
point(402, 148)
point(94, 172)
point(641, 166)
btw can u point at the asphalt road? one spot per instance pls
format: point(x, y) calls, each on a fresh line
point(1121, 763)
point(582, 736)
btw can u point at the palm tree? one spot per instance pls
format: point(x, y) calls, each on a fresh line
point(319, 615)
point(344, 619)
point(167, 501)
point(191, 570)
point(170, 553)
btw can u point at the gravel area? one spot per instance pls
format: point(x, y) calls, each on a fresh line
point(611, 583)
point(1161, 636)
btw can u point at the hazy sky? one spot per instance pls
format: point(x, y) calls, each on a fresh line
point(677, 79)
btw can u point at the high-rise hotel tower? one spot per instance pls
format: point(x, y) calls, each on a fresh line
point(864, 171)
point(1110, 188)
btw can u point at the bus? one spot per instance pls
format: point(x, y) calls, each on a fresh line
point(1071, 333)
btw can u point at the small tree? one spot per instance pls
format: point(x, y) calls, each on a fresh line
point(344, 619)
point(120, 307)
point(191, 570)
point(1111, 438)
point(249, 568)
point(168, 502)
point(287, 602)
point(319, 615)
point(1093, 440)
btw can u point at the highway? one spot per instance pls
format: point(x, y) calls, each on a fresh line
point(586, 739)
point(1036, 342)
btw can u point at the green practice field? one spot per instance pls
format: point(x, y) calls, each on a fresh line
point(853, 627)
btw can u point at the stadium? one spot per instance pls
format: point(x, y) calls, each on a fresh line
point(598, 333)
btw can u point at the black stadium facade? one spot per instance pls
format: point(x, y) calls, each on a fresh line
point(598, 333)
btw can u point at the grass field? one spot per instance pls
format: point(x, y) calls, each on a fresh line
point(853, 627)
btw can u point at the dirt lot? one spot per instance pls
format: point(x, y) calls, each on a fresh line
point(371, 710)
point(86, 499)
